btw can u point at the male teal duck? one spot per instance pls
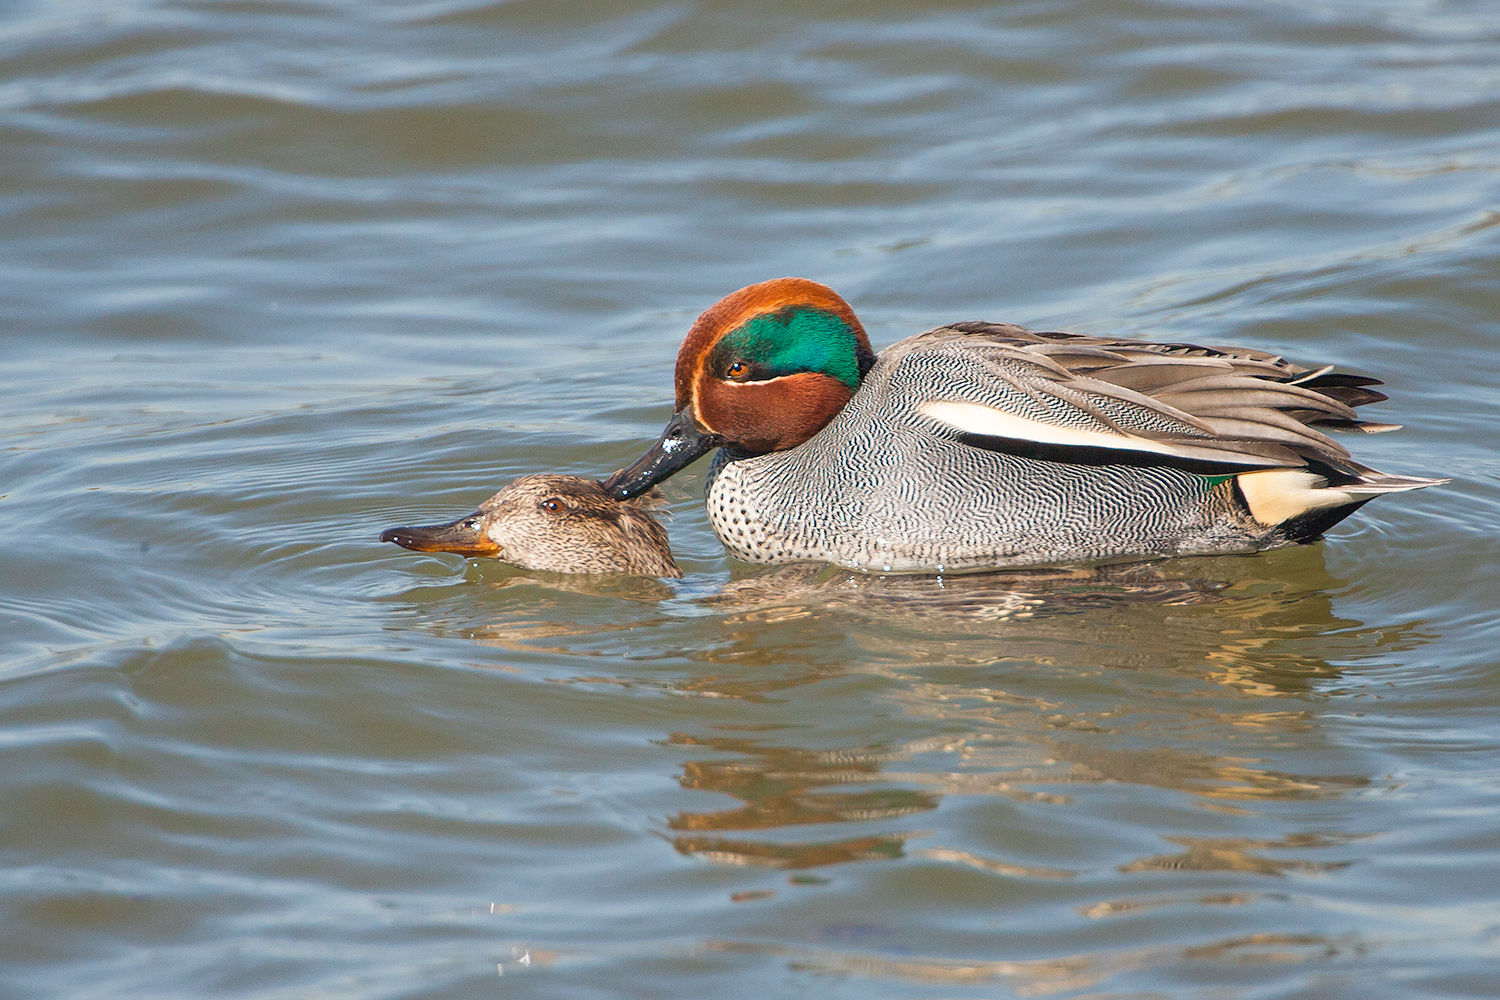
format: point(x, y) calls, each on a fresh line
point(564, 524)
point(986, 445)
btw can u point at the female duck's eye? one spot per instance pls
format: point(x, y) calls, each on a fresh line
point(737, 370)
point(551, 506)
point(472, 523)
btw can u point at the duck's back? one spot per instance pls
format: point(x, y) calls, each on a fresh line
point(985, 445)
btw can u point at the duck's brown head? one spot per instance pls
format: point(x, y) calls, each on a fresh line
point(761, 370)
point(565, 524)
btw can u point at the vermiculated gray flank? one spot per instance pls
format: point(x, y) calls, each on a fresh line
point(886, 487)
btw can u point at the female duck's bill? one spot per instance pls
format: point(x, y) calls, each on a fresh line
point(987, 445)
point(562, 524)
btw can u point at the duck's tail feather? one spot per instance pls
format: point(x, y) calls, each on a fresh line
point(1376, 483)
point(1282, 496)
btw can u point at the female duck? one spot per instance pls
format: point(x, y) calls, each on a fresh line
point(564, 524)
point(986, 445)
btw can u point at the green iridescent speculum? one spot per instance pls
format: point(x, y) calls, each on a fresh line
point(794, 340)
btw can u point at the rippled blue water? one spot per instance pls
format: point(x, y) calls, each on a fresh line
point(276, 275)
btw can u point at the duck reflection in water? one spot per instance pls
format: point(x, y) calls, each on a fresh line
point(786, 786)
point(1204, 695)
point(1194, 678)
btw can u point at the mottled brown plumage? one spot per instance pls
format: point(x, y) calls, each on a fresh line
point(565, 524)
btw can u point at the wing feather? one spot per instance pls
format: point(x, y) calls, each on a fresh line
point(1214, 408)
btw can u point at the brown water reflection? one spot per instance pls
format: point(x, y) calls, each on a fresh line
point(1041, 977)
point(1227, 854)
point(785, 593)
point(785, 786)
point(1174, 696)
point(777, 782)
point(798, 595)
point(1158, 676)
point(791, 855)
point(778, 786)
point(1208, 775)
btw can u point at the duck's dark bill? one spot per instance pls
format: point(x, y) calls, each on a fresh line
point(462, 537)
point(679, 446)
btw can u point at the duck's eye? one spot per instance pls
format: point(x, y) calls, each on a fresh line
point(739, 370)
point(552, 506)
point(472, 523)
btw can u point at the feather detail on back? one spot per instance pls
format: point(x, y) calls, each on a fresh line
point(1077, 398)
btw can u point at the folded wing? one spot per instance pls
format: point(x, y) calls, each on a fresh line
point(1084, 399)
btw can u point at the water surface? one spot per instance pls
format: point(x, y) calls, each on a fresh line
point(276, 275)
